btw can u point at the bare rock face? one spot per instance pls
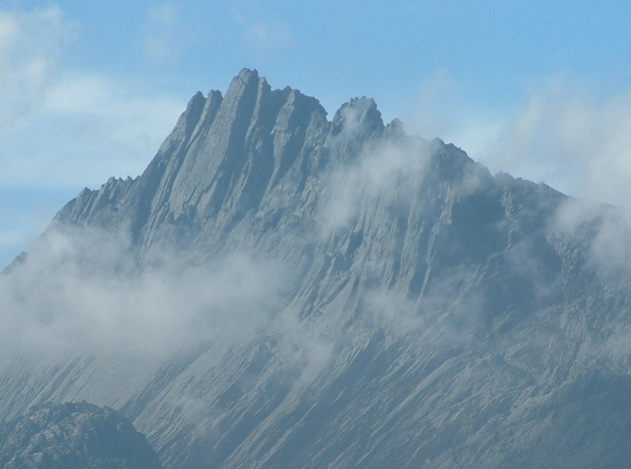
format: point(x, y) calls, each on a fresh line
point(350, 296)
point(74, 436)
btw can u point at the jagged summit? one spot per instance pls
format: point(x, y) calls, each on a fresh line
point(358, 112)
point(229, 155)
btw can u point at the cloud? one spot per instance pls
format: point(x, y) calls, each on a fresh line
point(391, 170)
point(78, 291)
point(606, 230)
point(440, 109)
point(564, 134)
point(115, 130)
point(571, 140)
point(31, 46)
point(431, 103)
point(267, 40)
point(163, 32)
point(114, 126)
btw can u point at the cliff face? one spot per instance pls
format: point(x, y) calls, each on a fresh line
point(420, 312)
point(265, 171)
point(224, 157)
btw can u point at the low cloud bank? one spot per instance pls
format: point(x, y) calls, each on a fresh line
point(78, 291)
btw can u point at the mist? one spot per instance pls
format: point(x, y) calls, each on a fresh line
point(391, 170)
point(78, 291)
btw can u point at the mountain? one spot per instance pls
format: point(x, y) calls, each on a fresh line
point(74, 436)
point(281, 290)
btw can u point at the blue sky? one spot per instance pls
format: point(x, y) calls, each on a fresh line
point(89, 89)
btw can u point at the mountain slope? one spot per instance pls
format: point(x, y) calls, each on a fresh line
point(310, 293)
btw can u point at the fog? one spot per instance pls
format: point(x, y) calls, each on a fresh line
point(78, 291)
point(391, 170)
point(606, 228)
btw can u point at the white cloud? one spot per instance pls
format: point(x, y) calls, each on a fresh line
point(392, 172)
point(562, 135)
point(392, 169)
point(267, 40)
point(31, 45)
point(163, 32)
point(567, 138)
point(430, 116)
point(350, 187)
point(439, 109)
point(78, 290)
point(114, 127)
point(114, 130)
point(607, 230)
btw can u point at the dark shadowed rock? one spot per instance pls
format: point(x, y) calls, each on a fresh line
point(74, 436)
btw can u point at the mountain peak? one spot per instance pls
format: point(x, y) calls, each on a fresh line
point(229, 154)
point(358, 113)
point(345, 294)
point(247, 74)
point(247, 87)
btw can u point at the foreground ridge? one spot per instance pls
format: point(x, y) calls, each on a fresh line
point(74, 436)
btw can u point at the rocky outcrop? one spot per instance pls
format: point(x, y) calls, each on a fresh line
point(74, 436)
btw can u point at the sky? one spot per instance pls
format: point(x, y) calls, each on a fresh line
point(88, 90)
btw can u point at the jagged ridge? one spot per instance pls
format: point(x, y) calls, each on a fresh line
point(442, 318)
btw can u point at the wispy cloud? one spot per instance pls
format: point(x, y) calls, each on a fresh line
point(605, 229)
point(31, 45)
point(78, 292)
point(390, 169)
point(570, 139)
point(267, 40)
point(113, 126)
point(439, 109)
point(115, 130)
point(564, 134)
point(163, 32)
point(431, 116)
